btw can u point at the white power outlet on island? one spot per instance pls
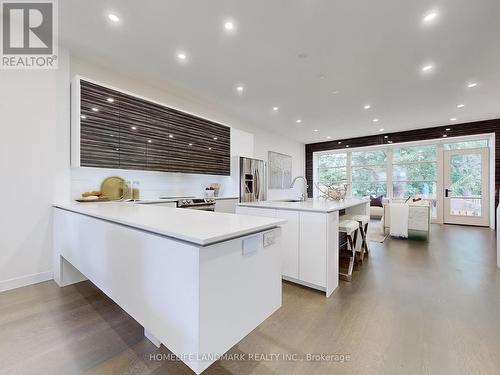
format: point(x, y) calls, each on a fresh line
point(269, 238)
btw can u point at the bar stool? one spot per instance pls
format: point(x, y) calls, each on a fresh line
point(363, 221)
point(349, 227)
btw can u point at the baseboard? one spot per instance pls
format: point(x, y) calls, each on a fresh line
point(19, 282)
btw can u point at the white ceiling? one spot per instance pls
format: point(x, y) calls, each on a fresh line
point(371, 52)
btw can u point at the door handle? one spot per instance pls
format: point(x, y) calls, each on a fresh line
point(446, 192)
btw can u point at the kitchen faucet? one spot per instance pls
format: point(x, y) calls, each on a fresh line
point(303, 197)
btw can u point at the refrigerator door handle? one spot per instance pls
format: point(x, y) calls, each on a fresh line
point(257, 185)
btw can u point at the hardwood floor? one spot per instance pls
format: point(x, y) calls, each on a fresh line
point(415, 307)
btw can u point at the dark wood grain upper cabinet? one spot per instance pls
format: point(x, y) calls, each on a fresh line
point(119, 130)
point(99, 128)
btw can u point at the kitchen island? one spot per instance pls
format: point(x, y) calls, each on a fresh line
point(310, 237)
point(197, 281)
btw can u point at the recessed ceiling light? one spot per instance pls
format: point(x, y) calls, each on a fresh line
point(240, 88)
point(95, 109)
point(375, 120)
point(111, 100)
point(210, 148)
point(445, 135)
point(471, 85)
point(275, 109)
point(339, 142)
point(346, 145)
point(298, 121)
point(83, 117)
point(182, 56)
point(460, 105)
point(381, 129)
point(229, 26)
point(113, 17)
point(316, 130)
point(170, 136)
point(215, 138)
point(386, 136)
point(150, 141)
point(430, 16)
point(368, 106)
point(133, 128)
point(427, 68)
point(453, 119)
point(190, 144)
point(328, 137)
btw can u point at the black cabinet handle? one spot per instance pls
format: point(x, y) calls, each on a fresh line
point(446, 191)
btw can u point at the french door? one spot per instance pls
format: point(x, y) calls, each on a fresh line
point(466, 194)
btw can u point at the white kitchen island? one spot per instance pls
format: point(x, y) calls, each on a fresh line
point(197, 281)
point(310, 237)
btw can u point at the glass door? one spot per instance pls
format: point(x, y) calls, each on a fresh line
point(466, 195)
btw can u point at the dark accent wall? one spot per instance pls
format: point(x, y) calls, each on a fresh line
point(470, 128)
point(133, 133)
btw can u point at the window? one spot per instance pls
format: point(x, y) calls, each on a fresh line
point(332, 169)
point(467, 144)
point(369, 173)
point(396, 171)
point(414, 173)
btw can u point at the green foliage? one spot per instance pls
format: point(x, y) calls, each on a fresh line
point(333, 175)
point(466, 175)
point(413, 171)
point(369, 157)
point(414, 154)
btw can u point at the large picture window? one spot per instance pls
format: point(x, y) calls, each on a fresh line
point(332, 169)
point(414, 173)
point(395, 171)
point(369, 173)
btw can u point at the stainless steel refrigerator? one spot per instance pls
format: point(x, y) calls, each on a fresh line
point(253, 180)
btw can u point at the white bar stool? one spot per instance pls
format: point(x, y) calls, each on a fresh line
point(349, 227)
point(363, 221)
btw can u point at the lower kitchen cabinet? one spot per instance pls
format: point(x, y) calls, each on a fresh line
point(312, 244)
point(226, 205)
point(309, 246)
point(290, 243)
point(256, 211)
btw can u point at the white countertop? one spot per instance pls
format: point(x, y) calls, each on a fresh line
point(314, 204)
point(198, 227)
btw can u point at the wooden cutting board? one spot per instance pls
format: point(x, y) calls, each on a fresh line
point(101, 199)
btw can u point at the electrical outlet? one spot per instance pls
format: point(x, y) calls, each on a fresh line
point(269, 238)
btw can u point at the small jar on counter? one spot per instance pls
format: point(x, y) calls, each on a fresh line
point(136, 190)
point(127, 190)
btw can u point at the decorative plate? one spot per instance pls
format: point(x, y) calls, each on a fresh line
point(112, 188)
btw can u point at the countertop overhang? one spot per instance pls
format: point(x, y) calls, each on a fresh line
point(312, 205)
point(201, 228)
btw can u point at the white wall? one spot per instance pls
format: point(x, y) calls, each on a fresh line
point(34, 149)
point(246, 140)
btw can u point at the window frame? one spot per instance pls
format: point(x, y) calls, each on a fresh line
point(368, 166)
point(431, 182)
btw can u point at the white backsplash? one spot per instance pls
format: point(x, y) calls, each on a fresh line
point(152, 184)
